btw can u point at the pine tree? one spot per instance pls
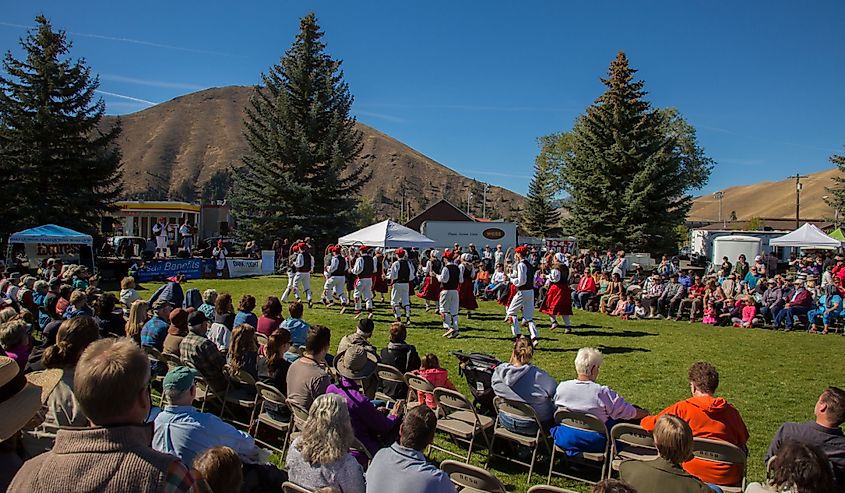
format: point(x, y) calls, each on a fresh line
point(837, 192)
point(298, 179)
point(540, 217)
point(58, 165)
point(631, 169)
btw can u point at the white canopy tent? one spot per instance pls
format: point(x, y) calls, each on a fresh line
point(807, 236)
point(387, 234)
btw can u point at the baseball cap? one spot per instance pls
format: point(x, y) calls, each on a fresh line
point(180, 378)
point(159, 304)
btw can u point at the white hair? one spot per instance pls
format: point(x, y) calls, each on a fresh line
point(586, 359)
point(209, 296)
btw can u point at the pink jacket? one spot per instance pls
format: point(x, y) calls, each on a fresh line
point(748, 314)
point(438, 377)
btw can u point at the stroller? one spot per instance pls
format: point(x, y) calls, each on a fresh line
point(478, 368)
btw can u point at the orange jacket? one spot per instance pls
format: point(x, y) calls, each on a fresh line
point(713, 418)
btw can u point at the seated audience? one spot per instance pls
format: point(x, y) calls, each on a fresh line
point(709, 417)
point(15, 340)
point(798, 468)
point(404, 463)
point(245, 315)
point(372, 427)
point(220, 467)
point(137, 319)
point(78, 305)
point(128, 294)
point(184, 431)
point(673, 439)
point(800, 302)
point(271, 316)
point(320, 456)
point(307, 377)
point(438, 377)
point(361, 337)
point(114, 456)
point(276, 371)
point(155, 330)
point(829, 310)
point(584, 395)
point(297, 327)
point(201, 354)
point(111, 322)
point(209, 298)
point(243, 354)
point(825, 432)
point(401, 356)
point(224, 311)
point(611, 485)
point(521, 381)
point(177, 331)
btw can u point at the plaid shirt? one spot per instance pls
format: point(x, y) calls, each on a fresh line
point(154, 332)
point(179, 479)
point(200, 353)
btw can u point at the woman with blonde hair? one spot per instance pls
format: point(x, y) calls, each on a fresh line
point(673, 439)
point(137, 319)
point(521, 381)
point(320, 456)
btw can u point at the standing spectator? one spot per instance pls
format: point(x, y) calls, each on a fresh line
point(825, 432)
point(521, 381)
point(320, 457)
point(620, 265)
point(673, 440)
point(198, 352)
point(186, 231)
point(741, 267)
point(709, 417)
point(219, 253)
point(726, 267)
point(404, 463)
point(112, 385)
point(245, 315)
point(307, 377)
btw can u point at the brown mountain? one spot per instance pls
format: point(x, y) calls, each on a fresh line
point(178, 145)
point(769, 199)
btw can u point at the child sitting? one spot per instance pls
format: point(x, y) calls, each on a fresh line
point(628, 309)
point(709, 314)
point(619, 311)
point(438, 377)
point(639, 310)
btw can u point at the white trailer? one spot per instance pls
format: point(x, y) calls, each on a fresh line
point(701, 241)
point(446, 233)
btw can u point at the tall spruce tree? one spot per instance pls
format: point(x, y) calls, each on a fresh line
point(58, 165)
point(298, 178)
point(837, 192)
point(631, 169)
point(540, 217)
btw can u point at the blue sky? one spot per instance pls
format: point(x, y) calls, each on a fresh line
point(473, 84)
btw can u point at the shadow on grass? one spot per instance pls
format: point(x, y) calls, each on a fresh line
point(613, 332)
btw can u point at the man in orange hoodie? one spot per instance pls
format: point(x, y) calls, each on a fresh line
point(709, 417)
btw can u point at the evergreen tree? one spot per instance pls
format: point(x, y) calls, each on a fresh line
point(58, 165)
point(837, 192)
point(540, 217)
point(631, 169)
point(298, 179)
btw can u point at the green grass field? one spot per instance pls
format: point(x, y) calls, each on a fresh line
point(771, 377)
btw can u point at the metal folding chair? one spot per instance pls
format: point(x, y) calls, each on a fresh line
point(458, 418)
point(596, 460)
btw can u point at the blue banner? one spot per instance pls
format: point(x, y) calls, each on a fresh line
point(159, 270)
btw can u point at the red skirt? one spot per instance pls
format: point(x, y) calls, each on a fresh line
point(379, 284)
point(558, 300)
point(430, 289)
point(506, 301)
point(466, 298)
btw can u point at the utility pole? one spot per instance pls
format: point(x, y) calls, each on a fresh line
point(719, 195)
point(484, 201)
point(469, 201)
point(798, 186)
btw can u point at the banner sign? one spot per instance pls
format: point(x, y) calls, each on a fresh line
point(560, 245)
point(159, 270)
point(244, 267)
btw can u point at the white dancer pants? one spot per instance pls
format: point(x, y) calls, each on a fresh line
point(449, 307)
point(524, 301)
point(364, 291)
point(400, 299)
point(291, 288)
point(303, 279)
point(335, 287)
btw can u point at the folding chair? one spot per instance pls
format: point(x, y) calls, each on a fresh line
point(629, 441)
point(172, 360)
point(264, 394)
point(416, 384)
point(359, 447)
point(154, 356)
point(387, 373)
point(288, 487)
point(520, 411)
point(471, 479)
point(544, 488)
point(723, 453)
point(261, 339)
point(298, 419)
point(241, 392)
point(457, 417)
point(596, 460)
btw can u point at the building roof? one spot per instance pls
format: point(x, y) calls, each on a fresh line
point(442, 210)
point(765, 223)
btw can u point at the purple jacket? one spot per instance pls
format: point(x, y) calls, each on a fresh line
point(371, 427)
point(802, 298)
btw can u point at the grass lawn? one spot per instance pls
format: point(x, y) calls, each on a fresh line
point(771, 377)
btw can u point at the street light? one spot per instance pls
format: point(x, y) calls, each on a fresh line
point(719, 195)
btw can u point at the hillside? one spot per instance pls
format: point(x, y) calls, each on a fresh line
point(181, 143)
point(770, 199)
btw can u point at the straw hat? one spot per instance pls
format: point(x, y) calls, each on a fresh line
point(356, 363)
point(22, 396)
